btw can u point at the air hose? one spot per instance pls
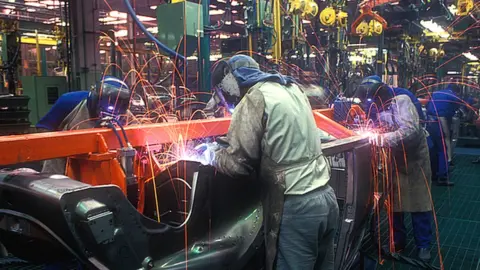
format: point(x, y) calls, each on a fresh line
point(142, 27)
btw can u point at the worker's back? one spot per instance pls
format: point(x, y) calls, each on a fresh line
point(291, 139)
point(443, 103)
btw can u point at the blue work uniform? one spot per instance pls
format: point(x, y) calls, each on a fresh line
point(443, 103)
point(61, 109)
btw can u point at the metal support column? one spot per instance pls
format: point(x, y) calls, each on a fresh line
point(380, 67)
point(86, 52)
point(204, 55)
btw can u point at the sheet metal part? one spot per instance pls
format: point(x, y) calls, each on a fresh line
point(223, 229)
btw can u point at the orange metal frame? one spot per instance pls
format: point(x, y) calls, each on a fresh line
point(367, 12)
point(91, 160)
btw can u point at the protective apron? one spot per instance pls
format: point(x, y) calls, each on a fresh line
point(411, 178)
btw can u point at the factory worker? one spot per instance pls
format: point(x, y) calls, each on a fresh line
point(273, 134)
point(82, 110)
point(410, 179)
point(396, 92)
point(222, 104)
point(440, 110)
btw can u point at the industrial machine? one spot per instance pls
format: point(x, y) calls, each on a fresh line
point(186, 214)
point(43, 92)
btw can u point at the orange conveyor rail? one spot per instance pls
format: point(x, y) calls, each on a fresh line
point(91, 161)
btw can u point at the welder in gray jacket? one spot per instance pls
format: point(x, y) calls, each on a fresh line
point(273, 134)
point(409, 184)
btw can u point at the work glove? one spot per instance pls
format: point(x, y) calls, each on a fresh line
point(206, 152)
point(374, 138)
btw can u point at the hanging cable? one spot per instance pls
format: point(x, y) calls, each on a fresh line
point(142, 27)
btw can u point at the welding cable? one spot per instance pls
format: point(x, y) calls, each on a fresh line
point(45, 228)
point(112, 127)
point(123, 131)
point(142, 27)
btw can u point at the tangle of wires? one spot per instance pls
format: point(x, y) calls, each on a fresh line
point(221, 23)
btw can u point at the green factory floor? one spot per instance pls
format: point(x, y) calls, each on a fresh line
point(458, 220)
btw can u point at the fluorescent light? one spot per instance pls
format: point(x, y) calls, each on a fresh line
point(116, 22)
point(215, 57)
point(470, 56)
point(31, 10)
point(121, 33)
point(153, 7)
point(234, 3)
point(435, 28)
point(10, 7)
point(153, 30)
point(213, 6)
point(234, 12)
point(39, 35)
point(453, 73)
point(239, 22)
point(306, 21)
point(217, 12)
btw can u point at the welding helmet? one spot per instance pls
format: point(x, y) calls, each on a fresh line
point(224, 81)
point(374, 97)
point(111, 98)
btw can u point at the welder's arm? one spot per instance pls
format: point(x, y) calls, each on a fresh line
point(406, 118)
point(212, 106)
point(244, 137)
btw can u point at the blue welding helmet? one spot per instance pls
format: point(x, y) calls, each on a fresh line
point(112, 98)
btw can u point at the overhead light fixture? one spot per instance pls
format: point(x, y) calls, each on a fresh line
point(234, 12)
point(116, 22)
point(121, 33)
point(31, 10)
point(234, 3)
point(239, 22)
point(470, 56)
point(306, 21)
point(153, 30)
point(213, 6)
point(153, 7)
point(453, 73)
point(435, 28)
point(217, 12)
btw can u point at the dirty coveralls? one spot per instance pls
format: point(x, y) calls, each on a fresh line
point(410, 181)
point(273, 133)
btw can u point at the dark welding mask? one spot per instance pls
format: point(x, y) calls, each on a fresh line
point(112, 98)
point(374, 98)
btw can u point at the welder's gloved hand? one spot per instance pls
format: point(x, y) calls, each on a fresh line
point(374, 138)
point(206, 152)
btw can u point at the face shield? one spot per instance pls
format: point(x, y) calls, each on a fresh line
point(373, 98)
point(114, 98)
